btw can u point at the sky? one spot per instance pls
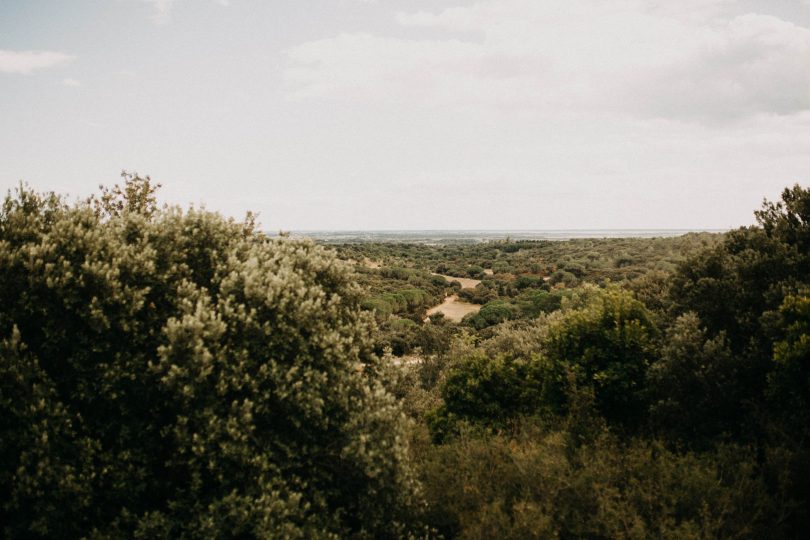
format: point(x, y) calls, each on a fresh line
point(415, 114)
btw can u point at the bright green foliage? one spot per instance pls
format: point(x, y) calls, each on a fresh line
point(175, 374)
point(487, 392)
point(607, 344)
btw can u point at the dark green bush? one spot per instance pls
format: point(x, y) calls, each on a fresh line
point(692, 385)
point(487, 392)
point(494, 312)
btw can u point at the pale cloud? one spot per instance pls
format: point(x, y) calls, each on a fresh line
point(25, 62)
point(162, 9)
point(71, 82)
point(755, 64)
point(693, 60)
point(162, 13)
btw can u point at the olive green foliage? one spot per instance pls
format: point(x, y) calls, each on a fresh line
point(169, 373)
point(788, 221)
point(603, 347)
point(533, 302)
point(483, 293)
point(399, 291)
point(534, 484)
point(665, 383)
point(607, 344)
point(494, 312)
point(746, 271)
point(404, 336)
point(487, 392)
point(591, 260)
point(174, 374)
point(526, 278)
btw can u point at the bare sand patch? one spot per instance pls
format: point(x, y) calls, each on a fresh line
point(466, 283)
point(407, 360)
point(454, 309)
point(488, 271)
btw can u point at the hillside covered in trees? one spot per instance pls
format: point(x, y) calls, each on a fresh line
point(169, 373)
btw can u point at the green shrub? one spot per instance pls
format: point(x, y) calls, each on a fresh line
point(535, 485)
point(488, 392)
point(175, 374)
point(608, 345)
point(533, 302)
point(491, 313)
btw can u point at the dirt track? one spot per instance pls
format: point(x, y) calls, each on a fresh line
point(466, 283)
point(454, 309)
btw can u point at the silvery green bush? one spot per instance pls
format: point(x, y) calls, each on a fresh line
point(170, 373)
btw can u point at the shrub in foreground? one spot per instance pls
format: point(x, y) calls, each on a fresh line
point(536, 485)
point(175, 374)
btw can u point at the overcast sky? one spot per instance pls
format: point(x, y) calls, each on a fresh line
point(411, 114)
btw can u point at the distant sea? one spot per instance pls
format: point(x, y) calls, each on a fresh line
point(476, 236)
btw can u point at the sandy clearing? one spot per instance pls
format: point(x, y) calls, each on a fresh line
point(488, 271)
point(407, 360)
point(466, 283)
point(454, 309)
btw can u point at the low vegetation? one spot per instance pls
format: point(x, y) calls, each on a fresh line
point(170, 373)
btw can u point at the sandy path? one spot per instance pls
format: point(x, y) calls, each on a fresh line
point(454, 309)
point(466, 283)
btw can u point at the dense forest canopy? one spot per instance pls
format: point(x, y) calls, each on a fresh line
point(171, 373)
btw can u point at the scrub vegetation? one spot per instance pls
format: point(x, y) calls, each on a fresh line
point(171, 373)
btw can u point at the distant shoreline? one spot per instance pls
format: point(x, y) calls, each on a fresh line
point(475, 236)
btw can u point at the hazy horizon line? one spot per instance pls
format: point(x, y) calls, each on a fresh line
point(585, 229)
